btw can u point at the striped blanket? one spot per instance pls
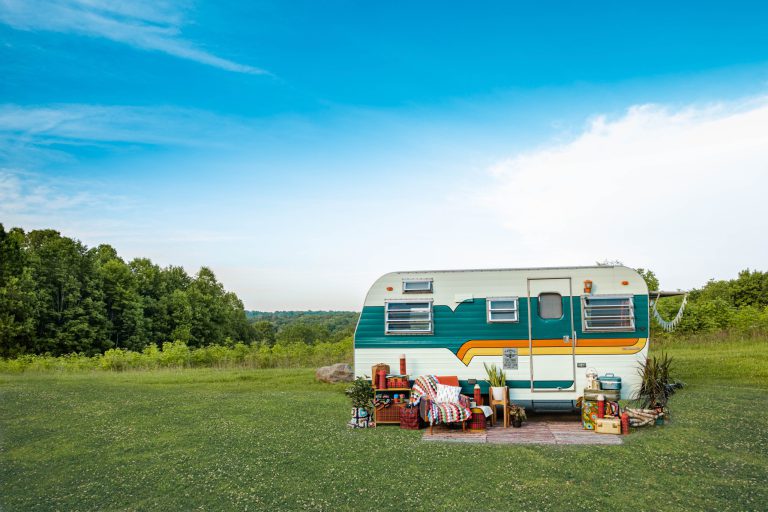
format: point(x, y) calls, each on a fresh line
point(424, 392)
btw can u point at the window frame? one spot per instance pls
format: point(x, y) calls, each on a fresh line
point(431, 288)
point(489, 310)
point(421, 332)
point(630, 306)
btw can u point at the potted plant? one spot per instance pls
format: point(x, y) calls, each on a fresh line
point(517, 415)
point(497, 380)
point(656, 386)
point(361, 395)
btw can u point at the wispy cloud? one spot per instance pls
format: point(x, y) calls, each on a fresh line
point(33, 200)
point(145, 24)
point(49, 129)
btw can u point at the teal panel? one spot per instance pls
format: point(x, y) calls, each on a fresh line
point(468, 388)
point(468, 322)
point(550, 328)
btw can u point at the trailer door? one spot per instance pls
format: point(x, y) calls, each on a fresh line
point(551, 334)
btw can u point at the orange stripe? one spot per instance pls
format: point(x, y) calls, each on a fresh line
point(558, 342)
point(564, 349)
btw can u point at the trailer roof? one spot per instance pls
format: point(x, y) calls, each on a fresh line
point(574, 267)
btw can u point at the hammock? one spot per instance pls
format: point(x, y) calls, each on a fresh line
point(670, 325)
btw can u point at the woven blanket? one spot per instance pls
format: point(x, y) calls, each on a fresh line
point(424, 392)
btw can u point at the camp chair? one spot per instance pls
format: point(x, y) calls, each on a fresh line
point(425, 391)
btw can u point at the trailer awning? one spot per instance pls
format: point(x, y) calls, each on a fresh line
point(663, 293)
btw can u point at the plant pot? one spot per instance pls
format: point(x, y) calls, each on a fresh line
point(497, 393)
point(517, 423)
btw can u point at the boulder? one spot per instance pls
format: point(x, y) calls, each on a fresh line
point(340, 372)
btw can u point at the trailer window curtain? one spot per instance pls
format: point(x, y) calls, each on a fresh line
point(408, 317)
point(502, 309)
point(608, 313)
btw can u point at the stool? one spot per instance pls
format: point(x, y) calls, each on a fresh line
point(477, 420)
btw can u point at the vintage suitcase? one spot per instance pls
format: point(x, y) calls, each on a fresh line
point(611, 395)
point(608, 426)
point(609, 382)
point(409, 418)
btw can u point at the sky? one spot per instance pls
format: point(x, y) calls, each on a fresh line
point(302, 149)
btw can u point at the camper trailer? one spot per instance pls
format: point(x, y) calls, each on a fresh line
point(545, 326)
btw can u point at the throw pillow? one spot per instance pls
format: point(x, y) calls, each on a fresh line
point(447, 394)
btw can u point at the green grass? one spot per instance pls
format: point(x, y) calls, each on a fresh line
point(274, 439)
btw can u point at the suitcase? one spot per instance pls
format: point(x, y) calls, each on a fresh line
point(611, 395)
point(608, 426)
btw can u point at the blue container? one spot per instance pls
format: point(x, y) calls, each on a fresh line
point(609, 381)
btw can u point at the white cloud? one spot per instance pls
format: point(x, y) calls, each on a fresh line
point(684, 192)
point(145, 24)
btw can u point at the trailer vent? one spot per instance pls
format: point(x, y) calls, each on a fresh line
point(408, 317)
point(608, 313)
point(502, 309)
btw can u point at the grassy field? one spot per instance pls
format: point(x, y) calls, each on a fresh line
point(274, 439)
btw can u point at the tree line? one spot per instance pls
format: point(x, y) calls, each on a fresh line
point(58, 296)
point(735, 305)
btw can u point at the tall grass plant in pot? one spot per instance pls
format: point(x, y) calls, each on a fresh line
point(497, 380)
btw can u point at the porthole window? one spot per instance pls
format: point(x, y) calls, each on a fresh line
point(550, 306)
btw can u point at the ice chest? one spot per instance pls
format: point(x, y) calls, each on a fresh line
point(608, 426)
point(611, 395)
point(609, 381)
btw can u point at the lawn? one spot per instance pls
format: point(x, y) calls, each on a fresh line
point(275, 439)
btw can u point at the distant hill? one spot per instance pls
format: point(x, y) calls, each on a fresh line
point(273, 315)
point(306, 326)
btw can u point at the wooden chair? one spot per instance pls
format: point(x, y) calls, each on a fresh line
point(504, 403)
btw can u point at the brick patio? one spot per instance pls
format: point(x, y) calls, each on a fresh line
point(539, 429)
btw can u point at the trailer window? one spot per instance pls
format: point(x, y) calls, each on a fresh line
point(502, 309)
point(550, 305)
point(417, 286)
point(608, 313)
point(408, 317)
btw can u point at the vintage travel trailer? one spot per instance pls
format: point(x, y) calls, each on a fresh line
point(545, 326)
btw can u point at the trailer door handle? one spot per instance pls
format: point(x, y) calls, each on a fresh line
point(566, 339)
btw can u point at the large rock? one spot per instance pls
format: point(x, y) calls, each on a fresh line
point(340, 372)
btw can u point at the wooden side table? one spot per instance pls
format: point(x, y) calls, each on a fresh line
point(504, 403)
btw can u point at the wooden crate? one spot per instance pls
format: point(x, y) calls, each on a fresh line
point(388, 414)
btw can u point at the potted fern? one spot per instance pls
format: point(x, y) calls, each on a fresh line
point(656, 385)
point(497, 380)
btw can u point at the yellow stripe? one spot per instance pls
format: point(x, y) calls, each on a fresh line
point(540, 351)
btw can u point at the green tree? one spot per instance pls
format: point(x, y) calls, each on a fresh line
point(650, 279)
point(68, 299)
point(123, 304)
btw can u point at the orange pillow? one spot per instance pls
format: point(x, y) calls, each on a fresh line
point(448, 380)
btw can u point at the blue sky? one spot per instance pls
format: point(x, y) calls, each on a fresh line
point(302, 149)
